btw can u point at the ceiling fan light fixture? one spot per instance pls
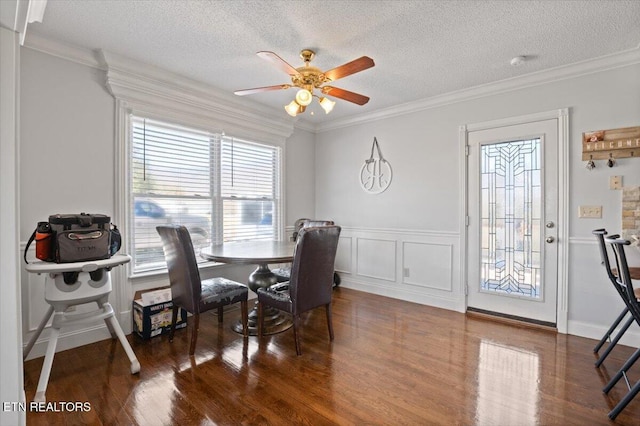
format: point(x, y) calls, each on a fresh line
point(292, 108)
point(308, 78)
point(326, 104)
point(304, 97)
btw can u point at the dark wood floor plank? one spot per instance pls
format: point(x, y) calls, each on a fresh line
point(392, 362)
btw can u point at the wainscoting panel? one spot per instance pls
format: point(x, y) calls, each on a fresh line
point(427, 265)
point(376, 258)
point(36, 306)
point(417, 266)
point(343, 255)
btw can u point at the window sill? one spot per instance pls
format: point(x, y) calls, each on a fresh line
point(158, 272)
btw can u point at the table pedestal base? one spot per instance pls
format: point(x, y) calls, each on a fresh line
point(275, 322)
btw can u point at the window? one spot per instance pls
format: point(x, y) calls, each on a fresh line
point(221, 188)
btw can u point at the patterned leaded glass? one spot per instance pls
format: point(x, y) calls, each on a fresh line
point(511, 216)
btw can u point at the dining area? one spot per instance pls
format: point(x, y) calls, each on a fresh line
point(280, 303)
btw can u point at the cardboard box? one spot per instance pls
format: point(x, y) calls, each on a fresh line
point(152, 313)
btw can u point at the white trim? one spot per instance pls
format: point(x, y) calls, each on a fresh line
point(590, 66)
point(69, 338)
point(616, 60)
point(123, 293)
point(190, 101)
point(462, 227)
point(595, 331)
point(11, 367)
point(409, 293)
point(562, 318)
point(400, 231)
point(23, 12)
point(562, 115)
point(62, 50)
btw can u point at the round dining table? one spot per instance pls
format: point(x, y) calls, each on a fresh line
point(260, 253)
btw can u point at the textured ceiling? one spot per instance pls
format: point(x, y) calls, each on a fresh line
point(421, 48)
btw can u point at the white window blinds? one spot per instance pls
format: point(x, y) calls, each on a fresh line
point(249, 182)
point(221, 189)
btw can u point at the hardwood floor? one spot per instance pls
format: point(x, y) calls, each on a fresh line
point(392, 363)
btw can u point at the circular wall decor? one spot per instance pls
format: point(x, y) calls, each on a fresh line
point(376, 173)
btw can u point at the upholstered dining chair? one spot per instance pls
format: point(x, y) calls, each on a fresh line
point(612, 274)
point(189, 291)
point(283, 274)
point(625, 284)
point(311, 280)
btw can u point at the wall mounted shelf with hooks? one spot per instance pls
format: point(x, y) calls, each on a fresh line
point(611, 144)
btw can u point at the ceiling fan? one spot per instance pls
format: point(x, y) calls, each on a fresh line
point(308, 78)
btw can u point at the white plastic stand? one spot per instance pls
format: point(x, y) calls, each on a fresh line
point(93, 284)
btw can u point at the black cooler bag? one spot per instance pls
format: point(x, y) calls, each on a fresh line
point(81, 237)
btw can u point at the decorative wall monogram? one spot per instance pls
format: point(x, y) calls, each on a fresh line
point(376, 173)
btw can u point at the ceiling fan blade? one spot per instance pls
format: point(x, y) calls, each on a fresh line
point(356, 98)
point(261, 89)
point(278, 62)
point(349, 68)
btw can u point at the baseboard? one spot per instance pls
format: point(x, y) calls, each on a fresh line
point(70, 339)
point(449, 303)
point(593, 331)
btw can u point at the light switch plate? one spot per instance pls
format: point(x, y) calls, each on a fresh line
point(615, 182)
point(592, 212)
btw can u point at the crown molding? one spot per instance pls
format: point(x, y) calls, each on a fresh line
point(591, 66)
point(95, 59)
point(305, 125)
point(143, 84)
point(138, 83)
point(62, 50)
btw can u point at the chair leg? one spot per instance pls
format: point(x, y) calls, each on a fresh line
point(607, 335)
point(626, 400)
point(627, 365)
point(244, 313)
point(220, 314)
point(614, 342)
point(260, 319)
point(174, 318)
point(194, 333)
point(296, 337)
point(329, 322)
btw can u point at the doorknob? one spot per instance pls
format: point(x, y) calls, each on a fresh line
point(549, 225)
point(550, 239)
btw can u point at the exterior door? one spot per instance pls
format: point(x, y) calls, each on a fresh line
point(512, 226)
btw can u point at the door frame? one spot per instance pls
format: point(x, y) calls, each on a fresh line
point(562, 117)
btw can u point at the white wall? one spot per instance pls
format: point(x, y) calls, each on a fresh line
point(67, 151)
point(424, 197)
point(300, 176)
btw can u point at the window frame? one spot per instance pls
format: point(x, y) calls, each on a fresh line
point(124, 194)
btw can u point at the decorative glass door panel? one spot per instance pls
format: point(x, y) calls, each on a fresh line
point(511, 215)
point(512, 254)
